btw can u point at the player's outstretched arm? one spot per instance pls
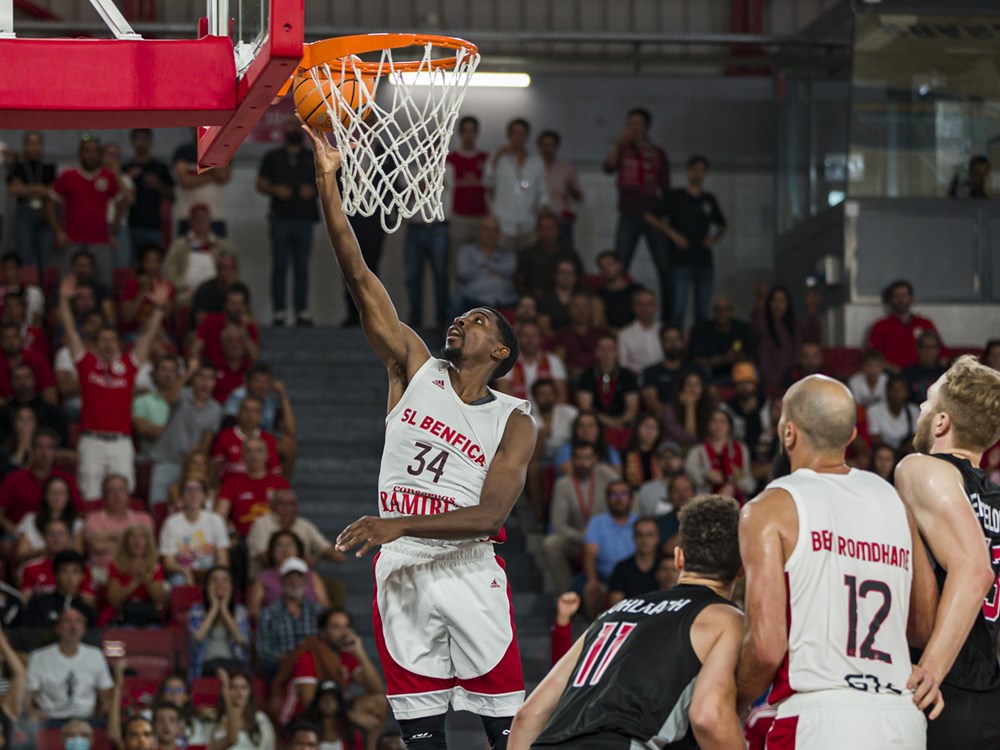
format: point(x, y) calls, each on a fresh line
point(766, 629)
point(935, 494)
point(395, 344)
point(532, 717)
point(716, 637)
point(503, 485)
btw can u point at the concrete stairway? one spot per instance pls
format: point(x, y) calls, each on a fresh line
point(338, 389)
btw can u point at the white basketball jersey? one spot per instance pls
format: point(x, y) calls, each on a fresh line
point(438, 448)
point(848, 583)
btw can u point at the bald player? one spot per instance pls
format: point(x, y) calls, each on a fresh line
point(956, 507)
point(830, 565)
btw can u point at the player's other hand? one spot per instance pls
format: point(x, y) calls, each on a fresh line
point(368, 532)
point(926, 691)
point(326, 156)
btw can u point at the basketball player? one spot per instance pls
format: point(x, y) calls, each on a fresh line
point(955, 508)
point(455, 458)
point(656, 670)
point(830, 564)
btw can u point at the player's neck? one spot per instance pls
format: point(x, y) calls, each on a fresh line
point(691, 579)
point(469, 383)
point(820, 463)
point(943, 445)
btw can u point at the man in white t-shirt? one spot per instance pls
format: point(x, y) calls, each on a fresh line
point(68, 679)
point(639, 344)
point(894, 420)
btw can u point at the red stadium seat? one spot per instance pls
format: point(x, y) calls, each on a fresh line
point(138, 693)
point(151, 653)
point(182, 598)
point(122, 275)
point(205, 692)
point(48, 739)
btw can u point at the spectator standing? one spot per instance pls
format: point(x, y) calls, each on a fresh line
point(607, 541)
point(235, 313)
point(615, 291)
point(574, 344)
point(210, 295)
point(30, 182)
point(21, 490)
point(193, 258)
point(14, 355)
point(193, 540)
point(68, 679)
point(896, 334)
point(721, 465)
point(485, 271)
point(83, 193)
point(467, 164)
point(284, 516)
point(868, 385)
point(517, 182)
point(429, 241)
point(151, 411)
point(227, 451)
point(103, 529)
point(44, 609)
point(137, 588)
point(194, 187)
point(219, 628)
point(154, 187)
point(975, 183)
point(12, 283)
point(639, 342)
point(136, 303)
point(118, 207)
point(562, 184)
point(636, 575)
point(277, 415)
point(657, 382)
point(533, 364)
point(245, 497)
point(777, 336)
point(643, 180)
point(716, 344)
point(895, 420)
point(928, 368)
point(611, 391)
point(288, 176)
point(106, 382)
point(536, 265)
point(286, 622)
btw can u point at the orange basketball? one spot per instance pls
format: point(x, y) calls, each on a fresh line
point(311, 100)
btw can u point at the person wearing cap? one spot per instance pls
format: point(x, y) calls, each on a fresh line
point(653, 498)
point(192, 257)
point(285, 623)
point(751, 415)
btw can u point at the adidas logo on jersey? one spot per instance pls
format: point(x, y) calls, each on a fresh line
point(439, 384)
point(494, 585)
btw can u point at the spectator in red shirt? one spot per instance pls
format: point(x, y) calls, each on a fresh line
point(107, 379)
point(84, 193)
point(38, 576)
point(235, 312)
point(14, 355)
point(468, 166)
point(228, 448)
point(575, 343)
point(21, 490)
point(231, 372)
point(136, 303)
point(246, 497)
point(896, 334)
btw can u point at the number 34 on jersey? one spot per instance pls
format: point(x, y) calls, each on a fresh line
point(450, 435)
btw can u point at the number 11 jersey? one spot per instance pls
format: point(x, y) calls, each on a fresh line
point(438, 448)
point(848, 582)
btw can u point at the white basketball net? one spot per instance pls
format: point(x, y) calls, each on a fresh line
point(393, 153)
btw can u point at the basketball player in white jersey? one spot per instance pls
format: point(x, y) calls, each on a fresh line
point(830, 561)
point(454, 463)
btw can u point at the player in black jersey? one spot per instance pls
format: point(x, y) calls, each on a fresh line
point(955, 508)
point(656, 670)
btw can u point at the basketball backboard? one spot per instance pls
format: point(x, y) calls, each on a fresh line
point(222, 80)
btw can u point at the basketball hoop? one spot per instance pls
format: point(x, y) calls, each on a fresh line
point(392, 153)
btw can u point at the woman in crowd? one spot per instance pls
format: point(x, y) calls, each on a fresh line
point(685, 419)
point(218, 626)
point(137, 591)
point(266, 588)
point(17, 446)
point(639, 461)
point(894, 420)
point(587, 428)
point(57, 502)
point(721, 464)
point(778, 336)
point(196, 465)
point(884, 461)
point(195, 729)
point(329, 713)
point(241, 725)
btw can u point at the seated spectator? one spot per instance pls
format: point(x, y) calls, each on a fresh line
point(197, 465)
point(868, 385)
point(67, 382)
point(193, 540)
point(151, 411)
point(21, 490)
point(265, 586)
point(137, 302)
point(192, 258)
point(637, 574)
point(15, 311)
point(167, 726)
point(607, 541)
point(246, 497)
point(137, 587)
point(277, 418)
point(68, 679)
point(241, 726)
point(210, 296)
point(653, 497)
point(107, 378)
point(219, 628)
point(896, 334)
point(38, 576)
point(685, 419)
point(195, 729)
point(574, 344)
point(928, 368)
point(616, 291)
point(284, 516)
point(553, 303)
point(777, 334)
point(637, 458)
point(44, 609)
point(808, 361)
point(329, 715)
point(884, 460)
point(57, 502)
point(576, 499)
point(11, 284)
point(234, 366)
point(15, 450)
point(235, 313)
point(484, 271)
point(555, 425)
point(25, 394)
point(533, 364)
point(14, 355)
point(587, 428)
point(288, 621)
point(639, 344)
point(657, 382)
point(227, 451)
point(747, 410)
point(611, 391)
point(681, 492)
point(717, 343)
point(77, 734)
point(194, 418)
point(304, 733)
point(536, 265)
point(103, 529)
point(83, 267)
point(894, 421)
point(721, 465)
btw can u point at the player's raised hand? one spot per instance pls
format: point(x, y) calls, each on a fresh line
point(326, 156)
point(369, 532)
point(926, 691)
